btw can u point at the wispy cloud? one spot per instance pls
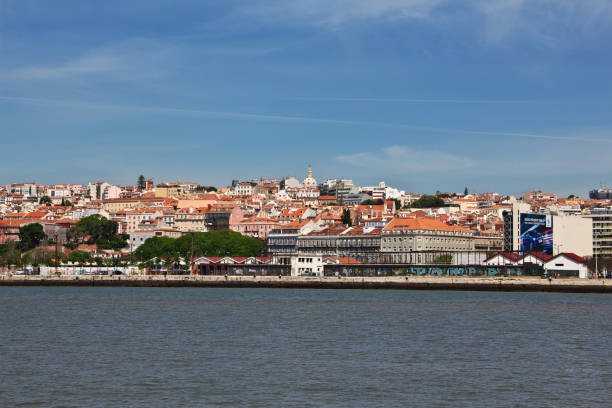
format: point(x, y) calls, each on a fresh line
point(295, 119)
point(335, 13)
point(446, 100)
point(90, 64)
point(539, 20)
point(404, 159)
point(544, 21)
point(135, 58)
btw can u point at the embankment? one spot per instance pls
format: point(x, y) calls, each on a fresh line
point(398, 282)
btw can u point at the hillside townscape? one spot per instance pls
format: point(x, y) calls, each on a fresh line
point(305, 225)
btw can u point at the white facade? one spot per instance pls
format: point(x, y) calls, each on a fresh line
point(572, 233)
point(61, 191)
point(563, 264)
point(499, 259)
point(532, 259)
point(103, 191)
point(291, 182)
point(243, 189)
point(137, 238)
point(306, 264)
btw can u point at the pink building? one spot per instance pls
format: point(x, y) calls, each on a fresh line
point(255, 227)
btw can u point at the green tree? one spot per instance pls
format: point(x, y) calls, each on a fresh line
point(427, 201)
point(346, 217)
point(30, 236)
point(466, 192)
point(205, 188)
point(66, 203)
point(9, 253)
point(97, 229)
point(213, 243)
point(80, 257)
point(45, 200)
point(373, 202)
point(141, 183)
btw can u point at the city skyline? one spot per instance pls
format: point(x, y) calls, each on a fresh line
point(458, 191)
point(424, 95)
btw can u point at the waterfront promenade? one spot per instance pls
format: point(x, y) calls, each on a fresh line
point(397, 282)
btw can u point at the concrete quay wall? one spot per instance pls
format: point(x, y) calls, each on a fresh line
point(400, 282)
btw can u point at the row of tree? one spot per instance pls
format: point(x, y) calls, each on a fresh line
point(213, 243)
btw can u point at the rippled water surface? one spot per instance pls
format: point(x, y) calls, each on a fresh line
point(162, 347)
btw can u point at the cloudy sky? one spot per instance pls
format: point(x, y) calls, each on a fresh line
point(500, 95)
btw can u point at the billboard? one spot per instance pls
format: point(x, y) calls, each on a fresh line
point(536, 233)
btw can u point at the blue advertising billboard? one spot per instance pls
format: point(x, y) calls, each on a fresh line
point(536, 233)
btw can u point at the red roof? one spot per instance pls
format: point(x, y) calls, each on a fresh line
point(541, 256)
point(341, 260)
point(571, 256)
point(512, 256)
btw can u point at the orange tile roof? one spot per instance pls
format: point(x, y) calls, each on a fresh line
point(421, 224)
point(13, 223)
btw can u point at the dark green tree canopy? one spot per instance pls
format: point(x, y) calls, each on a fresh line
point(141, 183)
point(45, 200)
point(346, 217)
point(97, 229)
point(205, 188)
point(80, 257)
point(428, 201)
point(372, 202)
point(30, 236)
point(10, 254)
point(213, 243)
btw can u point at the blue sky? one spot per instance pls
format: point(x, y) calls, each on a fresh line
point(500, 95)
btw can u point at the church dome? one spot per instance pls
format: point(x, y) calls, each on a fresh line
point(309, 181)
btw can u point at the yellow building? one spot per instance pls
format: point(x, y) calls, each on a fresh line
point(169, 190)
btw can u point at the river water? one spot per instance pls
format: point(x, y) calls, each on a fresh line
point(163, 347)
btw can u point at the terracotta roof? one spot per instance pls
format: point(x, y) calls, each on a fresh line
point(421, 224)
point(13, 223)
point(540, 255)
point(571, 256)
point(508, 255)
point(340, 260)
point(297, 224)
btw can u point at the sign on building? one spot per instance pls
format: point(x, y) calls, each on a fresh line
point(536, 233)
